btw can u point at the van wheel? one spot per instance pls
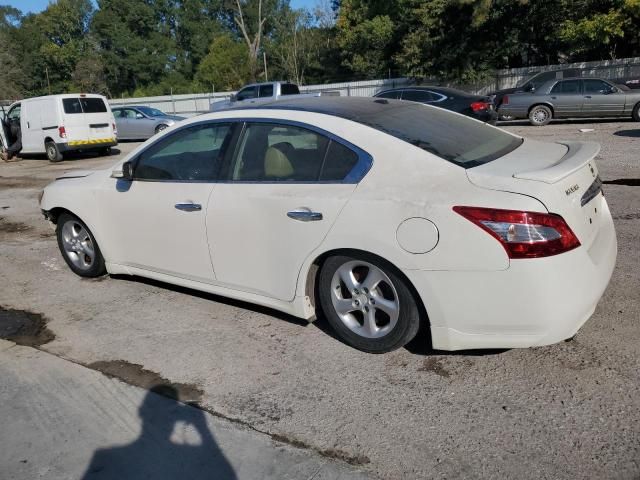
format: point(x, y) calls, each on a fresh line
point(53, 154)
point(106, 151)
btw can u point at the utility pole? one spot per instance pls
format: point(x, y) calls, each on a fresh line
point(264, 58)
point(46, 71)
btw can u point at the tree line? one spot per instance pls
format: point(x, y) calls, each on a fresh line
point(157, 47)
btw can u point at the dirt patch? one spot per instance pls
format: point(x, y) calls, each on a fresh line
point(627, 216)
point(7, 226)
point(24, 328)
point(629, 182)
point(135, 374)
point(329, 452)
point(434, 365)
point(22, 182)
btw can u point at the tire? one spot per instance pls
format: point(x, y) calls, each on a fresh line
point(540, 115)
point(636, 113)
point(351, 292)
point(53, 154)
point(79, 247)
point(106, 151)
point(161, 127)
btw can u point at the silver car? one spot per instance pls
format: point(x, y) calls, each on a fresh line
point(138, 123)
point(570, 98)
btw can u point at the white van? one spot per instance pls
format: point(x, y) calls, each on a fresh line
point(56, 124)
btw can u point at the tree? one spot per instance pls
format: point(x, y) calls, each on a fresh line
point(225, 66)
point(12, 75)
point(253, 37)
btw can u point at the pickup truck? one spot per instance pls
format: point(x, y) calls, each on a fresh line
point(258, 93)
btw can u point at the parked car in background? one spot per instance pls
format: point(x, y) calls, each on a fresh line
point(259, 93)
point(57, 124)
point(385, 214)
point(140, 123)
point(474, 106)
point(573, 97)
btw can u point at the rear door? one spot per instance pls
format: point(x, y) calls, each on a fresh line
point(32, 139)
point(601, 99)
point(74, 122)
point(98, 116)
point(566, 97)
point(286, 186)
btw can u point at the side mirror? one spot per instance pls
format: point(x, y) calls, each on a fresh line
point(233, 98)
point(126, 172)
point(139, 115)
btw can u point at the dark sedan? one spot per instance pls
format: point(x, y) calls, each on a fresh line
point(474, 106)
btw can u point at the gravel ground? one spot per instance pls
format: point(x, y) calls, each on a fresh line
point(570, 410)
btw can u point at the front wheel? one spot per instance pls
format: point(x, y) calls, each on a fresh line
point(53, 153)
point(161, 127)
point(636, 113)
point(367, 303)
point(78, 247)
point(540, 115)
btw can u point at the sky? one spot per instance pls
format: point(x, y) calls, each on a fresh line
point(39, 5)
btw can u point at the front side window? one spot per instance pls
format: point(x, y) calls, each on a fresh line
point(117, 113)
point(14, 114)
point(596, 87)
point(190, 154)
point(246, 94)
point(567, 87)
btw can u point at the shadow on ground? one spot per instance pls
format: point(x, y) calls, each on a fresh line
point(628, 133)
point(159, 452)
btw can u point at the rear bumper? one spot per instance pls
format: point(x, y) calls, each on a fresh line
point(87, 144)
point(534, 302)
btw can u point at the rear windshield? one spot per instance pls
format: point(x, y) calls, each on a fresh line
point(455, 138)
point(289, 89)
point(83, 105)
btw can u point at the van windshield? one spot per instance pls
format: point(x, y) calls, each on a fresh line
point(83, 105)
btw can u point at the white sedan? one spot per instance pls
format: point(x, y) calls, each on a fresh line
point(385, 215)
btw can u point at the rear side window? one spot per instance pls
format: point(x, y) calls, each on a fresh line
point(422, 96)
point(338, 162)
point(266, 91)
point(246, 93)
point(93, 105)
point(568, 86)
point(289, 89)
point(395, 94)
point(71, 105)
point(455, 138)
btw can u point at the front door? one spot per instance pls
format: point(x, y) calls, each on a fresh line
point(286, 187)
point(601, 99)
point(157, 221)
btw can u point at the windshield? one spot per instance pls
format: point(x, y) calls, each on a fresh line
point(455, 138)
point(152, 112)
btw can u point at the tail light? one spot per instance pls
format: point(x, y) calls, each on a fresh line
point(505, 100)
point(479, 106)
point(62, 132)
point(115, 130)
point(523, 234)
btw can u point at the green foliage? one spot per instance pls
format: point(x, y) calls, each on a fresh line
point(225, 67)
point(157, 47)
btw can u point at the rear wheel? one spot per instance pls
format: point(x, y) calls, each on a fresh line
point(636, 113)
point(367, 303)
point(78, 247)
point(540, 115)
point(106, 151)
point(53, 154)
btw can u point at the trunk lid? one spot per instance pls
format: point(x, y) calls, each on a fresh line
point(562, 176)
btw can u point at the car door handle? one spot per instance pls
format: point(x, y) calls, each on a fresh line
point(304, 214)
point(587, 96)
point(189, 207)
